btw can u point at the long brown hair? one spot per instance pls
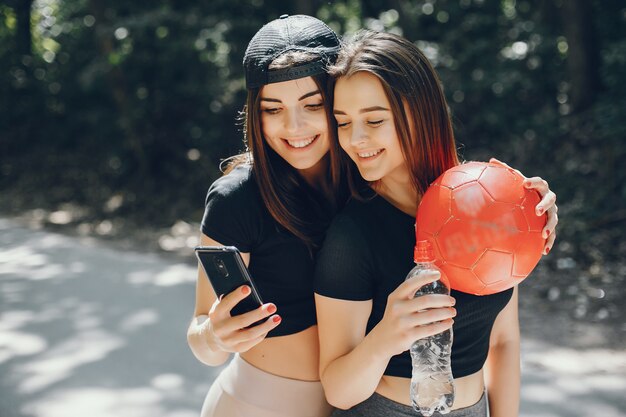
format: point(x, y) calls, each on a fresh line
point(290, 200)
point(410, 82)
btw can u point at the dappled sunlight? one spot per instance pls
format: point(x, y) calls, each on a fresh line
point(14, 319)
point(104, 334)
point(560, 381)
point(101, 402)
point(138, 320)
point(173, 275)
point(60, 361)
point(34, 265)
point(578, 363)
point(20, 344)
point(542, 393)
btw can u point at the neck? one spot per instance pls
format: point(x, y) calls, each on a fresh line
point(398, 189)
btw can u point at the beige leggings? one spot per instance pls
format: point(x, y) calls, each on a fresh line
point(241, 390)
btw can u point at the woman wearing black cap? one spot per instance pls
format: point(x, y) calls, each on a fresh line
point(274, 204)
point(395, 131)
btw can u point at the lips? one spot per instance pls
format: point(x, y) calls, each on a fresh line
point(368, 155)
point(301, 143)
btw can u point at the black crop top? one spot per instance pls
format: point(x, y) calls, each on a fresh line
point(368, 252)
point(280, 263)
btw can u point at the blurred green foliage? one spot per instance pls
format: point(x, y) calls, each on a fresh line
point(127, 108)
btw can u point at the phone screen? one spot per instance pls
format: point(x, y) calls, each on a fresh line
point(227, 272)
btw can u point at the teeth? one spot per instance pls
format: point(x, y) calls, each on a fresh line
point(301, 143)
point(369, 154)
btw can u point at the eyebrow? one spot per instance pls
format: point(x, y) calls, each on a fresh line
point(365, 110)
point(307, 95)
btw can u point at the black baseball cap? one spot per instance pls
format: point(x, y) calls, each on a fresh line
point(289, 33)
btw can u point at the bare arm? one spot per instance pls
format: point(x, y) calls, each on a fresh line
point(213, 333)
point(502, 369)
point(352, 363)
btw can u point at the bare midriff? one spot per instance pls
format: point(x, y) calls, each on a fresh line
point(468, 389)
point(293, 356)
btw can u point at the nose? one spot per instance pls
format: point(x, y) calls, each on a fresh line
point(293, 121)
point(358, 136)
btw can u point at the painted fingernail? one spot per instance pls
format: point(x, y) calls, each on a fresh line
point(526, 184)
point(539, 212)
point(276, 319)
point(271, 309)
point(547, 251)
point(245, 289)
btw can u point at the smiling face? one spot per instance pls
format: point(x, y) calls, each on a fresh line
point(366, 128)
point(293, 121)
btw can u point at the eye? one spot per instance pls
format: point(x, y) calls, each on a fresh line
point(341, 125)
point(272, 110)
point(314, 107)
point(375, 122)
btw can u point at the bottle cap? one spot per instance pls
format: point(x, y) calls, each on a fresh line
point(423, 252)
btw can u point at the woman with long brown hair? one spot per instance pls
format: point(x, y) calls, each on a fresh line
point(395, 132)
point(274, 204)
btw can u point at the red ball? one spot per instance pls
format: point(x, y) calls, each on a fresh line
point(481, 222)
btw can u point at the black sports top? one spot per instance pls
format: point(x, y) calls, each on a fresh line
point(280, 263)
point(368, 252)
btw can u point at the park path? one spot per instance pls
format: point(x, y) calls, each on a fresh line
point(90, 330)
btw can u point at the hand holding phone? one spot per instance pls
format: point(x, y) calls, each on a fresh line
point(226, 270)
point(238, 318)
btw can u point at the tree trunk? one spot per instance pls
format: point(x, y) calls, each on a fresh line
point(23, 36)
point(118, 87)
point(583, 59)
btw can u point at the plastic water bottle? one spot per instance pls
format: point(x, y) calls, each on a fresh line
point(432, 385)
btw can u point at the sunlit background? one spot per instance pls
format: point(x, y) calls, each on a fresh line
point(115, 116)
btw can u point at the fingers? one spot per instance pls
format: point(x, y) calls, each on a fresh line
point(428, 317)
point(549, 243)
point(426, 302)
point(550, 227)
point(548, 201)
point(407, 289)
point(432, 329)
point(427, 309)
point(233, 333)
point(230, 300)
point(246, 346)
point(258, 332)
point(242, 321)
point(538, 184)
point(546, 205)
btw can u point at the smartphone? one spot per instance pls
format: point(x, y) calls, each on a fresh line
point(226, 271)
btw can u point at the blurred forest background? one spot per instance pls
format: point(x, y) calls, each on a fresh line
point(114, 115)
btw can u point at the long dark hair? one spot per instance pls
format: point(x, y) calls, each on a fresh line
point(290, 200)
point(425, 133)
